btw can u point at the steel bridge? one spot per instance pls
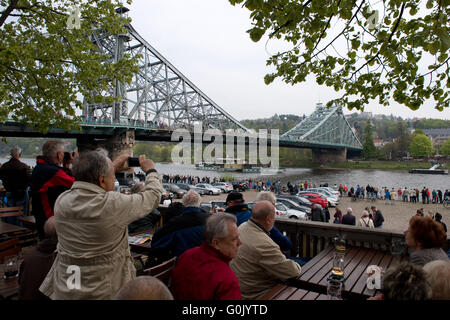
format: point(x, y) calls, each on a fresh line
point(160, 99)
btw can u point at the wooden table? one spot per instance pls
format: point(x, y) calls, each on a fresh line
point(7, 229)
point(285, 292)
point(315, 273)
point(28, 222)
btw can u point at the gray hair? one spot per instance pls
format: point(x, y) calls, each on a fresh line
point(16, 151)
point(144, 288)
point(217, 226)
point(191, 199)
point(267, 195)
point(51, 148)
point(438, 276)
point(349, 210)
point(90, 165)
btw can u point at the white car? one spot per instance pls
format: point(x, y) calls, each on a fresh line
point(224, 186)
point(206, 188)
point(282, 211)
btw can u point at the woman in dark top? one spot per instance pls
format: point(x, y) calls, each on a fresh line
point(337, 216)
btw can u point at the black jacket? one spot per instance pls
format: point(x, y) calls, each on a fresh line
point(16, 177)
point(378, 219)
point(349, 219)
point(317, 215)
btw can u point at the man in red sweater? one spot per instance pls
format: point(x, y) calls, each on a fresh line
point(203, 273)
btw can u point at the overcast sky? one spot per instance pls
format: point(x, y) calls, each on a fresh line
point(207, 41)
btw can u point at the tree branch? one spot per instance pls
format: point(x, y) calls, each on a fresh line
point(326, 27)
point(7, 11)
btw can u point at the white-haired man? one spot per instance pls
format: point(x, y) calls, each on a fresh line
point(349, 218)
point(184, 231)
point(94, 259)
point(260, 264)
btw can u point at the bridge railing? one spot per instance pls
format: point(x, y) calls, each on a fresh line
point(309, 238)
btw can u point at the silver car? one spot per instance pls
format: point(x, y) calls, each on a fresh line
point(206, 188)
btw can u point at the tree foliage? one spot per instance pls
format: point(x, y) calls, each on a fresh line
point(403, 56)
point(421, 146)
point(445, 148)
point(47, 67)
point(369, 150)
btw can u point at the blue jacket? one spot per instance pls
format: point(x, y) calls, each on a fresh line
point(182, 232)
point(243, 214)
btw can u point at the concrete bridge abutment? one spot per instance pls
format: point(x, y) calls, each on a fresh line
point(116, 145)
point(329, 155)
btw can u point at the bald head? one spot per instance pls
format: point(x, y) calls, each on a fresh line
point(263, 212)
point(144, 288)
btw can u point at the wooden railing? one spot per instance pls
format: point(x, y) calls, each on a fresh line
point(309, 238)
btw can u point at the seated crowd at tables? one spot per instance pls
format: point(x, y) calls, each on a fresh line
point(235, 254)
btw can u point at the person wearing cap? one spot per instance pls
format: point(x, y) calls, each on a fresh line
point(365, 221)
point(237, 206)
point(378, 218)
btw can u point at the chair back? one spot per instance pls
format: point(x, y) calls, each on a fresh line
point(11, 211)
point(162, 271)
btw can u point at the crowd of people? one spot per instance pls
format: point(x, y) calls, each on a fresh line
point(234, 253)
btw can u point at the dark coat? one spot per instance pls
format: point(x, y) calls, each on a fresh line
point(378, 219)
point(349, 219)
point(317, 215)
point(16, 177)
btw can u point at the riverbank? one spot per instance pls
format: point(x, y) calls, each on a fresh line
point(396, 217)
point(362, 164)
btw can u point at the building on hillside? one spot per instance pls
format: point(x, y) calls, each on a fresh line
point(438, 136)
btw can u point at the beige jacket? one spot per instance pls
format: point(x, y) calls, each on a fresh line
point(92, 235)
point(259, 263)
point(365, 222)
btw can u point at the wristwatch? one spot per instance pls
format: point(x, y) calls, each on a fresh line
point(150, 171)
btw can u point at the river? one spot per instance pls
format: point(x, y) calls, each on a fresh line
point(380, 178)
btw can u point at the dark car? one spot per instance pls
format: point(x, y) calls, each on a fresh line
point(239, 185)
point(177, 191)
point(290, 204)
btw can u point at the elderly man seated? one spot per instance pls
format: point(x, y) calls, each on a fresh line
point(203, 273)
point(260, 264)
point(94, 260)
point(184, 231)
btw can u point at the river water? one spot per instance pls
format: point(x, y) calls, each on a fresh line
point(380, 178)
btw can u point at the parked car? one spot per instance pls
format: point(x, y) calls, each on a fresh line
point(282, 211)
point(315, 198)
point(332, 200)
point(326, 192)
point(176, 190)
point(332, 190)
point(290, 204)
point(184, 186)
point(224, 186)
point(206, 188)
point(239, 185)
point(298, 200)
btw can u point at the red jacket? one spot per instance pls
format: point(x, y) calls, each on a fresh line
point(202, 273)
